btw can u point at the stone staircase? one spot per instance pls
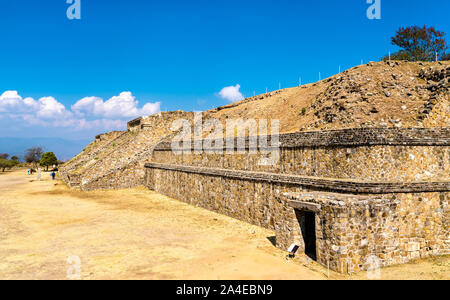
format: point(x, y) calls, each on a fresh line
point(117, 160)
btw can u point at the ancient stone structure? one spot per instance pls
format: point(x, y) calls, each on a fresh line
point(349, 198)
point(375, 194)
point(116, 160)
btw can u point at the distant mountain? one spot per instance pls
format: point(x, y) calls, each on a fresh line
point(64, 149)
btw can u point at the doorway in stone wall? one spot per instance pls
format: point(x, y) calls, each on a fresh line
point(307, 222)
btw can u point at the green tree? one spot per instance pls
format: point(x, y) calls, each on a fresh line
point(15, 158)
point(7, 164)
point(418, 44)
point(3, 164)
point(48, 159)
point(14, 163)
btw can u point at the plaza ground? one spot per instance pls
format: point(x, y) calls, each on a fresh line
point(138, 234)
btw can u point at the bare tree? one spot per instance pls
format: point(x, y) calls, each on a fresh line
point(33, 155)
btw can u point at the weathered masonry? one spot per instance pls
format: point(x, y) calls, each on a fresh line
point(346, 197)
point(116, 160)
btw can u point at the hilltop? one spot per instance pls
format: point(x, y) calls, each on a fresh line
point(382, 94)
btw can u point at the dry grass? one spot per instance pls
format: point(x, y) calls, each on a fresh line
point(137, 234)
point(362, 88)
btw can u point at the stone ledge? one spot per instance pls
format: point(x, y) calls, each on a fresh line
point(329, 184)
point(134, 123)
point(305, 206)
point(304, 200)
point(352, 137)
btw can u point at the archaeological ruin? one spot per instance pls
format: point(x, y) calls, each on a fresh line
point(349, 192)
point(342, 196)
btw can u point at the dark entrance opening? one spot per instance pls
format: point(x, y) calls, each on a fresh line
point(307, 221)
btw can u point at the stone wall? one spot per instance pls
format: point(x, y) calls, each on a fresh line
point(401, 155)
point(353, 231)
point(332, 184)
point(376, 194)
point(356, 137)
point(374, 163)
point(135, 125)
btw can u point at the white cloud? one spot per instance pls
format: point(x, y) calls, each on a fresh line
point(123, 106)
point(47, 107)
point(89, 105)
point(12, 101)
point(86, 114)
point(151, 108)
point(231, 93)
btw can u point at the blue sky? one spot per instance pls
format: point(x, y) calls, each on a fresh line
point(177, 54)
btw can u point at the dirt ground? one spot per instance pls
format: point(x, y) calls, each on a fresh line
point(137, 234)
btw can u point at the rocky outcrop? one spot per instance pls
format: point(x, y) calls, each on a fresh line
point(436, 110)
